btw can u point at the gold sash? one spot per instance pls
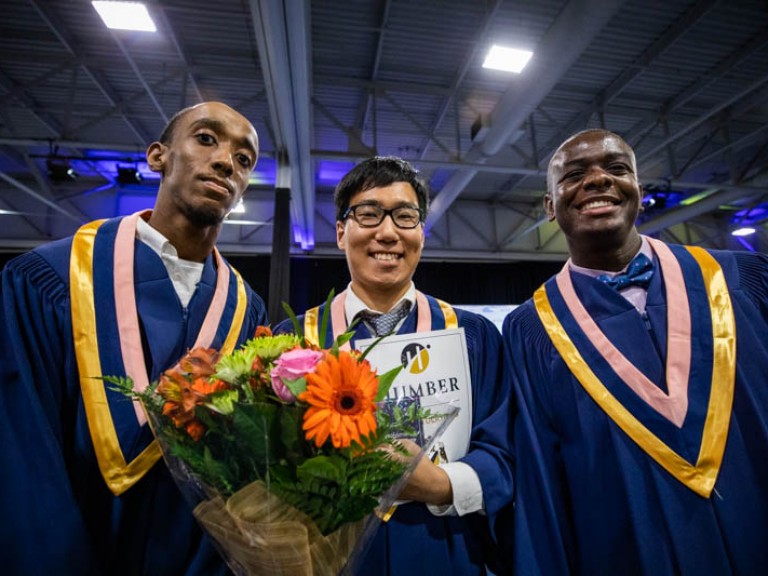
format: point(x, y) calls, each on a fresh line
point(701, 477)
point(118, 474)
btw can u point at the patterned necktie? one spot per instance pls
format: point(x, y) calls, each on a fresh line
point(384, 323)
point(639, 273)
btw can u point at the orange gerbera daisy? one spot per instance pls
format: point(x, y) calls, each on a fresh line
point(341, 394)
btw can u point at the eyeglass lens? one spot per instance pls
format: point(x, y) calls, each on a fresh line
point(370, 215)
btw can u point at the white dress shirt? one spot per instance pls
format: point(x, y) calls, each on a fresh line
point(184, 274)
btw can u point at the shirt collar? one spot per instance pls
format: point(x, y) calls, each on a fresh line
point(645, 248)
point(353, 305)
point(154, 239)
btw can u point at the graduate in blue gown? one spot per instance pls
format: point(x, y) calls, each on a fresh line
point(642, 432)
point(83, 489)
point(381, 206)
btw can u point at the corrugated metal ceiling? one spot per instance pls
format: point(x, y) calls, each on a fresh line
point(685, 82)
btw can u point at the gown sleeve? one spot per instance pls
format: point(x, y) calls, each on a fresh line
point(753, 278)
point(491, 451)
point(42, 528)
point(541, 538)
point(257, 311)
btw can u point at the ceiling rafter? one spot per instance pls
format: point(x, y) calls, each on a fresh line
point(52, 21)
point(50, 124)
point(470, 58)
point(323, 77)
point(576, 25)
point(674, 32)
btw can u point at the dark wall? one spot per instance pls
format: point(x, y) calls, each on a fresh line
point(456, 282)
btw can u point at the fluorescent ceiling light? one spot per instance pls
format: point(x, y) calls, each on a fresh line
point(246, 222)
point(125, 16)
point(506, 59)
point(745, 231)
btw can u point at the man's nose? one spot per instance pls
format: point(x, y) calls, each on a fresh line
point(597, 178)
point(222, 159)
point(387, 228)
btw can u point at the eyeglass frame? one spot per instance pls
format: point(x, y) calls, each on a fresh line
point(350, 211)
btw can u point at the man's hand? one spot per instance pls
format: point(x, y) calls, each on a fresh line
point(428, 482)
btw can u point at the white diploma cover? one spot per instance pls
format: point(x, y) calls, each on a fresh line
point(436, 370)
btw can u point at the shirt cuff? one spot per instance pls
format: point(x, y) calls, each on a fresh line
point(467, 491)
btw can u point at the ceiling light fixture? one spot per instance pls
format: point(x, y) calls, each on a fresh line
point(743, 231)
point(506, 59)
point(246, 223)
point(125, 16)
point(59, 170)
point(127, 175)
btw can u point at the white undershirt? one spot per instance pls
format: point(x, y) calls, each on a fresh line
point(465, 483)
point(184, 274)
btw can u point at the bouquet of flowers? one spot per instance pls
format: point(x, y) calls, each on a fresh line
point(283, 449)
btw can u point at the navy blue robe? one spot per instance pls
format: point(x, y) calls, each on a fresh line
point(58, 515)
point(589, 500)
point(415, 541)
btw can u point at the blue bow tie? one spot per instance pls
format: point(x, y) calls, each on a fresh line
point(639, 273)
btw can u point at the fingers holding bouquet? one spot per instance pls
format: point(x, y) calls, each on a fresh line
point(427, 482)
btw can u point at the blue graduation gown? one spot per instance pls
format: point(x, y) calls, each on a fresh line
point(589, 500)
point(415, 541)
point(57, 515)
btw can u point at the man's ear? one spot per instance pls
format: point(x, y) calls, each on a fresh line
point(642, 195)
point(156, 156)
point(549, 207)
point(341, 240)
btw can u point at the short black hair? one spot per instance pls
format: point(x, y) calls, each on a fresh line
point(375, 172)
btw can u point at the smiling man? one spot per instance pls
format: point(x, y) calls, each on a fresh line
point(381, 205)
point(640, 376)
point(83, 488)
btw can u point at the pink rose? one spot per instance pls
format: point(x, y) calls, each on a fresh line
point(292, 365)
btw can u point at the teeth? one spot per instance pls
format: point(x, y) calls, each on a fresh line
point(386, 256)
point(596, 204)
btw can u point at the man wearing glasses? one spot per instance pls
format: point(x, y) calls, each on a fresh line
point(381, 205)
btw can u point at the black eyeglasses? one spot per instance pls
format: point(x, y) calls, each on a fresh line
point(371, 215)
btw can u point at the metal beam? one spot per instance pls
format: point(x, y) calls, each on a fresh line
point(686, 213)
point(37, 196)
point(283, 36)
point(369, 99)
point(680, 132)
point(50, 123)
point(632, 72)
point(96, 77)
point(143, 81)
point(480, 40)
point(165, 23)
point(572, 32)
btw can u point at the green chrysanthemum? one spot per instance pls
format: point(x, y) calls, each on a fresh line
point(268, 348)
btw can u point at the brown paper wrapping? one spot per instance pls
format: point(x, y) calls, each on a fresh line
point(259, 534)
